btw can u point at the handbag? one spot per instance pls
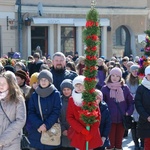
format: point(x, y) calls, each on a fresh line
point(51, 136)
point(127, 120)
point(25, 144)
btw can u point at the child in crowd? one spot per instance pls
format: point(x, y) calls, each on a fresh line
point(133, 82)
point(33, 85)
point(50, 105)
point(77, 131)
point(105, 123)
point(116, 94)
point(66, 89)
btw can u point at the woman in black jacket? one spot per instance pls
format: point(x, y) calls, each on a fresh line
point(142, 104)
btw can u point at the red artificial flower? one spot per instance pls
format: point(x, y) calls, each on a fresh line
point(89, 104)
point(92, 37)
point(89, 79)
point(89, 114)
point(91, 69)
point(91, 91)
point(91, 57)
point(91, 23)
point(94, 48)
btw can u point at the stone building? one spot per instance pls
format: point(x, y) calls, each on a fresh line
point(58, 25)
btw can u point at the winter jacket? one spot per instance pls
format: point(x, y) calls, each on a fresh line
point(101, 76)
point(77, 126)
point(59, 76)
point(10, 132)
point(133, 89)
point(142, 104)
point(34, 67)
point(105, 123)
point(127, 106)
point(64, 123)
point(51, 106)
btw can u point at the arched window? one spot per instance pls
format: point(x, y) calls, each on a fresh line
point(122, 41)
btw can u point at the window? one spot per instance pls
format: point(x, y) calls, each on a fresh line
point(68, 40)
point(39, 37)
point(120, 36)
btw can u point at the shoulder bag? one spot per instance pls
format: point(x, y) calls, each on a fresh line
point(127, 120)
point(51, 136)
point(25, 144)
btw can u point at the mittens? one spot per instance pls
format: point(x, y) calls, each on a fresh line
point(88, 137)
point(87, 134)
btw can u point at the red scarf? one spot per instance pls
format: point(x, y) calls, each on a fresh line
point(116, 91)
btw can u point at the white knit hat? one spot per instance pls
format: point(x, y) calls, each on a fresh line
point(147, 70)
point(78, 79)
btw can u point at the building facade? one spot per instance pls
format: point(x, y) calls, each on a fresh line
point(58, 25)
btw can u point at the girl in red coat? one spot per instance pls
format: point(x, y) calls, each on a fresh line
point(77, 131)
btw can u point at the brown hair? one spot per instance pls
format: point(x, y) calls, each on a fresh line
point(14, 93)
point(132, 80)
point(108, 80)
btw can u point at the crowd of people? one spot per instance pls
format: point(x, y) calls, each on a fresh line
point(58, 84)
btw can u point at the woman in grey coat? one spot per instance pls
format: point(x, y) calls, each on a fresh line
point(12, 112)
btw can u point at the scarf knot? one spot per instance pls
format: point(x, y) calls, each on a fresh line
point(116, 91)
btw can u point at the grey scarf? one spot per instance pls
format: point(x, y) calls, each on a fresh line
point(44, 92)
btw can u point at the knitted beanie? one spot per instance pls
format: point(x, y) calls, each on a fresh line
point(9, 68)
point(67, 83)
point(134, 67)
point(34, 78)
point(78, 79)
point(46, 74)
point(147, 70)
point(22, 74)
point(117, 71)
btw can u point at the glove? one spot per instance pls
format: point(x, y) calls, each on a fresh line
point(85, 132)
point(88, 137)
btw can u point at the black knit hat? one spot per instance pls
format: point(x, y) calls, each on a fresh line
point(67, 83)
point(46, 74)
point(9, 68)
point(22, 74)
